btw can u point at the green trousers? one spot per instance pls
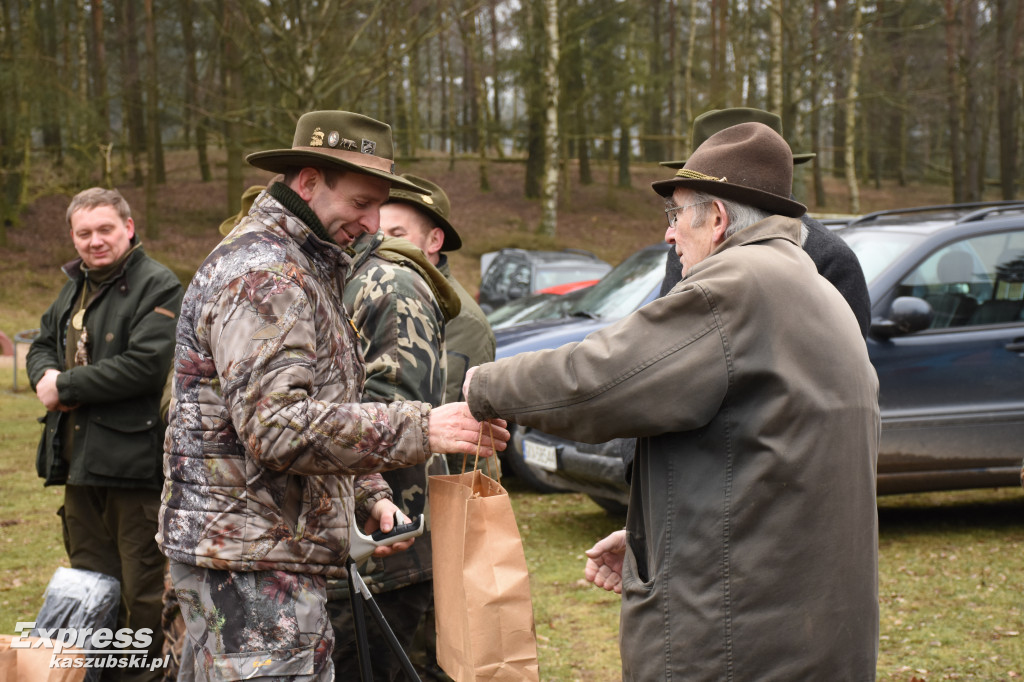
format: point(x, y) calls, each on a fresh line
point(112, 531)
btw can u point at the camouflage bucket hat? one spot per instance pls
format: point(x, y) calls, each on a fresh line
point(337, 139)
point(433, 203)
point(749, 163)
point(710, 122)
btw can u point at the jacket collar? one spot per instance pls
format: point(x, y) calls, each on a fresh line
point(773, 227)
point(75, 271)
point(272, 213)
point(405, 253)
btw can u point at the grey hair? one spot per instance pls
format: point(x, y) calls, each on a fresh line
point(741, 216)
point(94, 197)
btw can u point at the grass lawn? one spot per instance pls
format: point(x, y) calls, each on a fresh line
point(950, 583)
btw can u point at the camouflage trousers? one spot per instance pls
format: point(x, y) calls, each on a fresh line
point(263, 625)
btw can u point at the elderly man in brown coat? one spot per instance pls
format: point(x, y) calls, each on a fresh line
point(750, 548)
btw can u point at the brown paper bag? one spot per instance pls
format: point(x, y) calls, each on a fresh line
point(482, 604)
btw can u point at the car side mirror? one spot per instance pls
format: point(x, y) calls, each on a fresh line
point(908, 314)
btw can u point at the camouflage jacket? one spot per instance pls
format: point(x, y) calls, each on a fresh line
point(399, 303)
point(469, 340)
point(265, 432)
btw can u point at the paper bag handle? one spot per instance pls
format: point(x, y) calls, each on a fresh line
point(476, 459)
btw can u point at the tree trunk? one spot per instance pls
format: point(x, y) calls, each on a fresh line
point(153, 158)
point(954, 93)
point(549, 216)
point(231, 92)
point(99, 76)
point(851, 109)
point(815, 90)
point(691, 50)
point(134, 122)
point(193, 119)
point(495, 134)
point(535, 151)
point(840, 43)
point(475, 95)
point(1009, 23)
point(974, 176)
point(653, 146)
point(46, 34)
point(775, 13)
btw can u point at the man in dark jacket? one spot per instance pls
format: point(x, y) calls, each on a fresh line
point(750, 549)
point(834, 260)
point(98, 367)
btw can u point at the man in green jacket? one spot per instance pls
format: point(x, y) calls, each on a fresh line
point(98, 367)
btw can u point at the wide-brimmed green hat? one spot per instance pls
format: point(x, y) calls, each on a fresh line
point(749, 163)
point(710, 122)
point(248, 197)
point(433, 202)
point(337, 139)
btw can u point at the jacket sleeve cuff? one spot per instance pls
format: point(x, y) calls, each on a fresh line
point(479, 405)
point(65, 389)
point(369, 490)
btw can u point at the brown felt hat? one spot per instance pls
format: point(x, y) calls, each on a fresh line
point(432, 202)
point(337, 139)
point(710, 122)
point(749, 163)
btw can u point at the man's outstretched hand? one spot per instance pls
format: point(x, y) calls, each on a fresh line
point(604, 562)
point(453, 429)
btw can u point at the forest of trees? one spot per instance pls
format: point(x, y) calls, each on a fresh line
point(893, 90)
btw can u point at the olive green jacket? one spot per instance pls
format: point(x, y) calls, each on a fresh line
point(118, 433)
point(469, 339)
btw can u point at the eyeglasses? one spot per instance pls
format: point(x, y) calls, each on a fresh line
point(672, 216)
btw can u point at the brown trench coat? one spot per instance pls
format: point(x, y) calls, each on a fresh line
point(752, 527)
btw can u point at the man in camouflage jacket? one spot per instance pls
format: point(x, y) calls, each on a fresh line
point(399, 304)
point(269, 454)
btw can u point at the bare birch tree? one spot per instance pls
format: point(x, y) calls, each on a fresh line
point(549, 198)
point(851, 107)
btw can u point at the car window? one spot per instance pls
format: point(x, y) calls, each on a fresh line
point(624, 289)
point(517, 310)
point(972, 282)
point(505, 276)
point(877, 250)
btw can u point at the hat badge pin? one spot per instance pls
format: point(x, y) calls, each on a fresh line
point(427, 199)
point(368, 146)
point(333, 138)
point(317, 140)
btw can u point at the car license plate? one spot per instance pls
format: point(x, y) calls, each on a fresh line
point(540, 455)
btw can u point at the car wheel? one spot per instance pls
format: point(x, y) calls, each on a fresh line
point(612, 507)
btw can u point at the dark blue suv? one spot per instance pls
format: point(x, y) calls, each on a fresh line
point(947, 341)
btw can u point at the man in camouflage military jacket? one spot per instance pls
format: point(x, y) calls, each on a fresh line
point(399, 304)
point(265, 431)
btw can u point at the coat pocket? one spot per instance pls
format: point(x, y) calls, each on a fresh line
point(124, 446)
